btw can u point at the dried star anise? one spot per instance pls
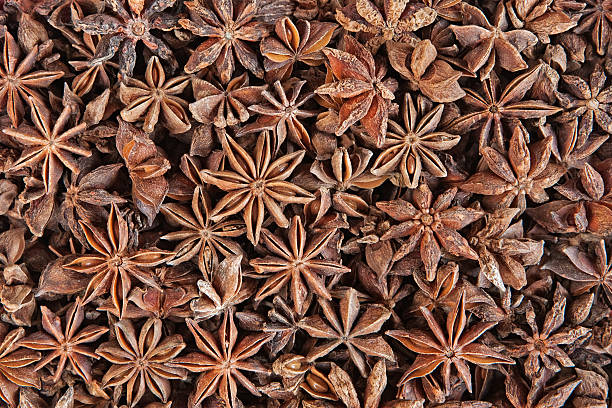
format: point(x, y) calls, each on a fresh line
point(130, 26)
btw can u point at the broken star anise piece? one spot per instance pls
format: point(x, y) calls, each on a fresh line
point(360, 82)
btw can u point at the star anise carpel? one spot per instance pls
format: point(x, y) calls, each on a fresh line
point(67, 345)
point(256, 183)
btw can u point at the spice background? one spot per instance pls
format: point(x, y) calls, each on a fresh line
point(305, 203)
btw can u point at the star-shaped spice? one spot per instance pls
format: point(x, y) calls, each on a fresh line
point(358, 335)
point(296, 262)
point(457, 346)
point(491, 107)
point(156, 96)
point(503, 251)
point(17, 83)
point(525, 171)
point(141, 362)
point(411, 148)
point(544, 346)
point(85, 194)
point(255, 184)
point(224, 105)
point(222, 361)
point(395, 22)
point(15, 372)
point(114, 265)
point(130, 26)
point(359, 81)
point(491, 44)
point(587, 101)
point(49, 143)
point(596, 18)
point(430, 224)
point(67, 344)
point(228, 26)
point(302, 42)
point(283, 114)
point(199, 235)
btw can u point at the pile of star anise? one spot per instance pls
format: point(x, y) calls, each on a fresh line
point(305, 203)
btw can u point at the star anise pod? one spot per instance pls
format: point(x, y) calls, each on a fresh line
point(224, 105)
point(544, 17)
point(222, 361)
point(114, 265)
point(17, 83)
point(296, 262)
point(224, 289)
point(302, 41)
point(147, 100)
point(282, 114)
point(489, 109)
point(283, 321)
point(256, 183)
point(544, 347)
point(142, 362)
point(359, 81)
point(587, 101)
point(122, 31)
point(491, 44)
point(525, 171)
point(411, 148)
point(199, 235)
point(458, 346)
point(503, 251)
point(93, 73)
point(228, 27)
point(48, 143)
point(539, 393)
point(358, 335)
point(67, 344)
point(347, 172)
point(85, 194)
point(395, 22)
point(596, 19)
point(430, 224)
point(14, 362)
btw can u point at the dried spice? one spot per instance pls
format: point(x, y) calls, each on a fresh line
point(305, 203)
